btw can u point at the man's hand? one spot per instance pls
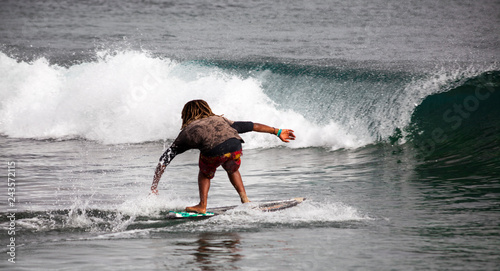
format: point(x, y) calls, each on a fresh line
point(284, 134)
point(287, 135)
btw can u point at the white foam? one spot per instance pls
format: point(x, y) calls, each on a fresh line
point(132, 97)
point(246, 217)
point(308, 211)
point(152, 205)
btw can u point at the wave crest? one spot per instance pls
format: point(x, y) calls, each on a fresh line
point(133, 97)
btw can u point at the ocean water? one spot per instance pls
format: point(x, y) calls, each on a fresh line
point(395, 105)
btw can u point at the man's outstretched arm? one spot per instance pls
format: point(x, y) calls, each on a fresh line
point(284, 134)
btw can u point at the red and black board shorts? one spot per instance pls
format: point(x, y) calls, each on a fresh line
point(230, 162)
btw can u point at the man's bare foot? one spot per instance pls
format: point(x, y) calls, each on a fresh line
point(243, 197)
point(197, 209)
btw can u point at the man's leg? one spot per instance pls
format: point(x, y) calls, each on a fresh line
point(237, 182)
point(203, 187)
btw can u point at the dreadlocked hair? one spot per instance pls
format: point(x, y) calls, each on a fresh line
point(195, 110)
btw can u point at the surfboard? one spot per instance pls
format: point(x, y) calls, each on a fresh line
point(265, 206)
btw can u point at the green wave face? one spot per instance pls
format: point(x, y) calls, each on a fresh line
point(464, 121)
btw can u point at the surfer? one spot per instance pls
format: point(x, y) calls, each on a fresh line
point(219, 143)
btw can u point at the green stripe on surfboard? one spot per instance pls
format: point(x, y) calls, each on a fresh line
point(189, 214)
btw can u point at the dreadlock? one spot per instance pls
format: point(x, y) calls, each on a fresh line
point(194, 110)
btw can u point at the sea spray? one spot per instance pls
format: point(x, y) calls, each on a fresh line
point(131, 97)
